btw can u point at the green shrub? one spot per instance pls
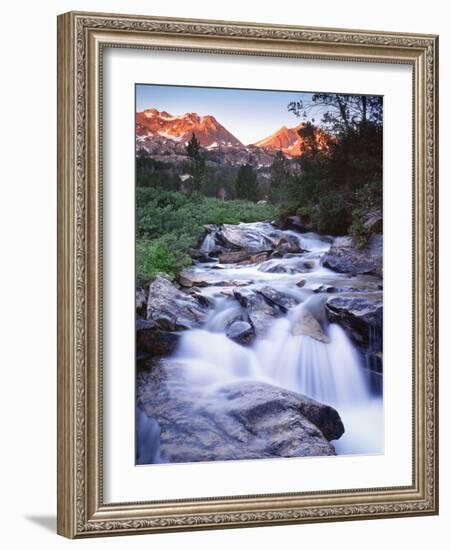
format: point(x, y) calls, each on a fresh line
point(153, 257)
point(170, 223)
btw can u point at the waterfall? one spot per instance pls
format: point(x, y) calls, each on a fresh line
point(329, 372)
point(147, 439)
point(300, 350)
point(209, 243)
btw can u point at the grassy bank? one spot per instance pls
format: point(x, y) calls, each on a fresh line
point(170, 223)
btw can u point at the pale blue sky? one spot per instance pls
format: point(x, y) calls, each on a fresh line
point(250, 115)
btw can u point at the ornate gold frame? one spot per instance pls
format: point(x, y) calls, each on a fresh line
point(81, 37)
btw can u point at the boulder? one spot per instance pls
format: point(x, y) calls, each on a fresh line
point(259, 311)
point(287, 265)
point(258, 258)
point(240, 420)
point(243, 237)
point(241, 332)
point(345, 257)
point(141, 302)
point(154, 342)
point(307, 325)
point(191, 279)
point(361, 315)
point(202, 299)
point(199, 256)
point(288, 245)
point(172, 310)
point(235, 257)
point(278, 298)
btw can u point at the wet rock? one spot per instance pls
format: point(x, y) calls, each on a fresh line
point(242, 420)
point(210, 228)
point(205, 301)
point(307, 325)
point(361, 315)
point(235, 257)
point(331, 289)
point(200, 256)
point(234, 282)
point(190, 279)
point(288, 245)
point(278, 298)
point(243, 237)
point(322, 288)
point(141, 302)
point(258, 258)
point(172, 310)
point(227, 292)
point(241, 332)
point(374, 361)
point(301, 283)
point(152, 341)
point(143, 360)
point(315, 304)
point(289, 266)
point(345, 257)
point(260, 312)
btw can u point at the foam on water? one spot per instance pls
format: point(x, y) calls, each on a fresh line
point(329, 371)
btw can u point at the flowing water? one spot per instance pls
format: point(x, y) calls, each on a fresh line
point(331, 371)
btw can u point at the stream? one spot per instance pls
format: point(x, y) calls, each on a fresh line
point(299, 349)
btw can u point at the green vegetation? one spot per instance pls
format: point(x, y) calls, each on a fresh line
point(196, 167)
point(170, 224)
point(279, 173)
point(155, 173)
point(247, 183)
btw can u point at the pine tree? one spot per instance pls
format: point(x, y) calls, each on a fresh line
point(196, 165)
point(247, 183)
point(279, 172)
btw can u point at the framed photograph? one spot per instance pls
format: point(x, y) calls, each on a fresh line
point(247, 289)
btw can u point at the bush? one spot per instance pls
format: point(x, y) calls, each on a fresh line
point(153, 257)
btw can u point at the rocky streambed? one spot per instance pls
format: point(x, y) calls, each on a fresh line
point(270, 345)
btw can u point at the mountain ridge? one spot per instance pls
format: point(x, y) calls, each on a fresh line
point(290, 142)
point(209, 132)
point(160, 131)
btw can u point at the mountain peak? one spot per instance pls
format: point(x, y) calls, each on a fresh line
point(209, 132)
point(289, 141)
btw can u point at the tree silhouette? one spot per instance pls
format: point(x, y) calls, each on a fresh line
point(247, 183)
point(279, 172)
point(196, 164)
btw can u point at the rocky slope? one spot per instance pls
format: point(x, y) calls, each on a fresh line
point(209, 132)
point(162, 135)
point(290, 142)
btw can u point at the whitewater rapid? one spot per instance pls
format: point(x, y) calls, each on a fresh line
point(330, 371)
